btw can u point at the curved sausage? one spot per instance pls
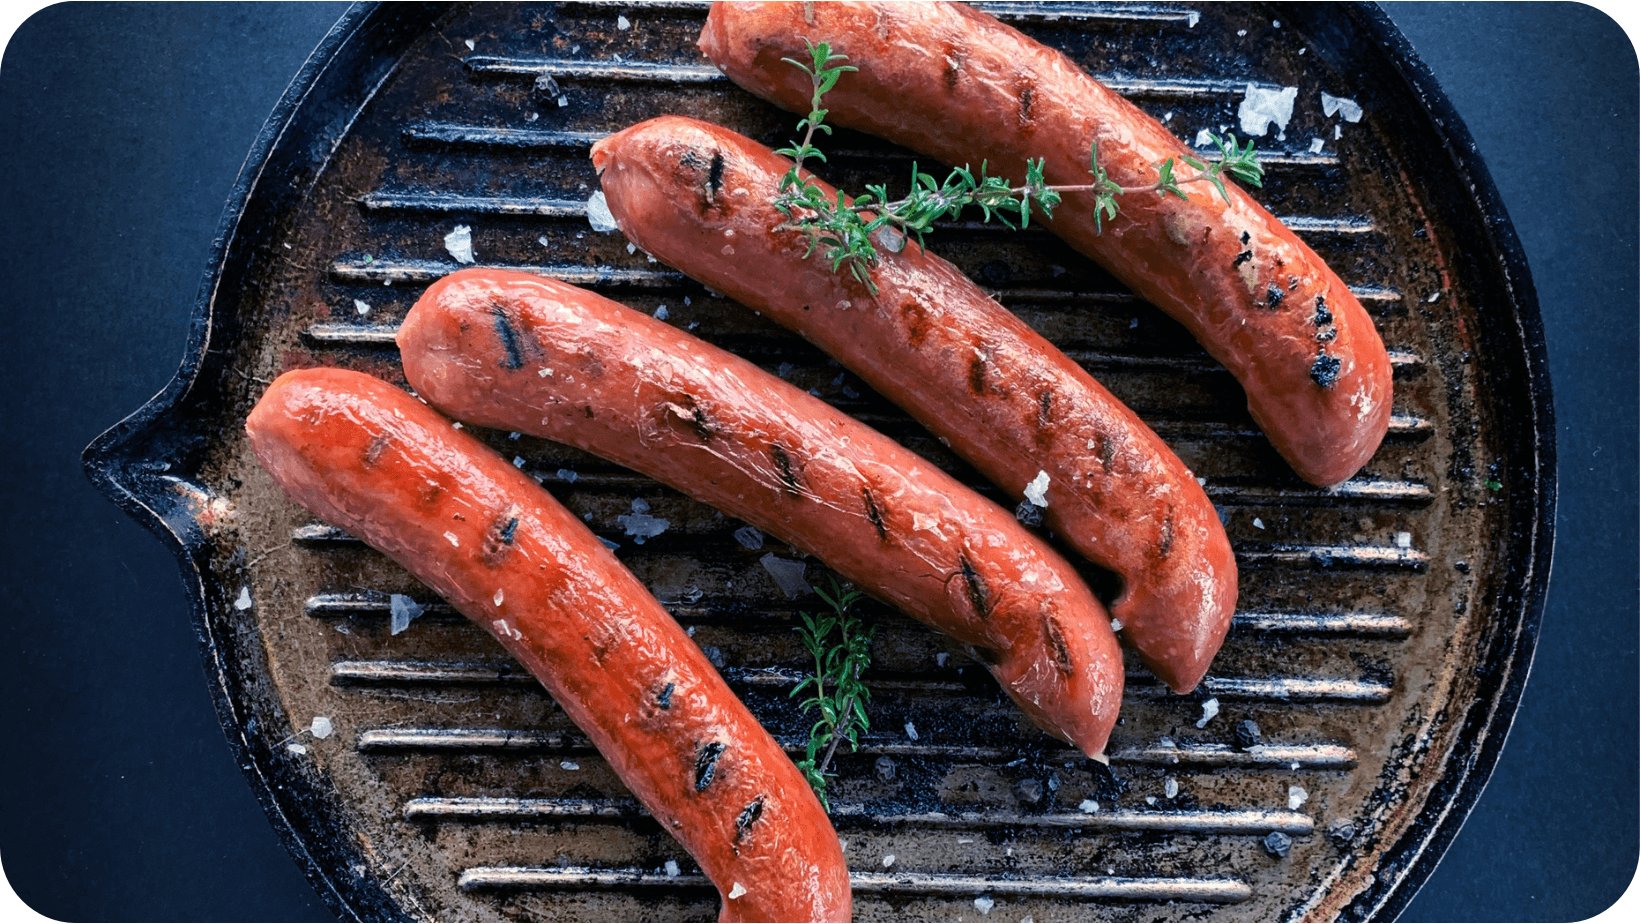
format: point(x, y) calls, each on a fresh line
point(369, 458)
point(954, 83)
point(521, 352)
point(1001, 396)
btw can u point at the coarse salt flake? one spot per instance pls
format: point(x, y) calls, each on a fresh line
point(1170, 789)
point(518, 461)
point(297, 749)
point(1261, 106)
point(361, 306)
point(911, 731)
point(787, 574)
point(569, 765)
point(1204, 138)
point(888, 861)
point(639, 524)
point(661, 313)
point(984, 904)
point(244, 601)
point(1210, 708)
point(402, 610)
point(737, 891)
point(471, 45)
point(568, 475)
point(622, 23)
point(1115, 625)
point(1316, 144)
point(1403, 540)
point(1088, 806)
point(1348, 108)
point(454, 539)
point(671, 869)
point(1296, 796)
point(1258, 523)
point(1037, 491)
point(599, 216)
point(459, 243)
point(321, 726)
point(749, 536)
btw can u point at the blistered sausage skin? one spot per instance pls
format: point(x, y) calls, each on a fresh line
point(699, 197)
point(535, 355)
point(367, 457)
point(953, 82)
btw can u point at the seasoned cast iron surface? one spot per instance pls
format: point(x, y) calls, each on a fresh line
point(1383, 627)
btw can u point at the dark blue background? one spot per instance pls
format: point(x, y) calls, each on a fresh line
point(125, 128)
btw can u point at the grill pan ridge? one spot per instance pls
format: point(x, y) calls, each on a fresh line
point(1385, 628)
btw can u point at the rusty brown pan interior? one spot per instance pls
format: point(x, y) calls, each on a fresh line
point(1384, 627)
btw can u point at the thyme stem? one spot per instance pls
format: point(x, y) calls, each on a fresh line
point(840, 644)
point(846, 232)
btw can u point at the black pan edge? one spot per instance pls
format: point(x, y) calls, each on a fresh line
point(1408, 864)
point(281, 164)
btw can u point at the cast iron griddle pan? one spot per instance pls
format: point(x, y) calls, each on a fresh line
point(1384, 630)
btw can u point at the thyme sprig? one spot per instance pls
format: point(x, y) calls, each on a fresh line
point(849, 233)
point(840, 643)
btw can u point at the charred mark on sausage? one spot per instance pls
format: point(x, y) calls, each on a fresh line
point(979, 595)
point(1325, 370)
point(664, 697)
point(1245, 237)
point(1027, 95)
point(1326, 336)
point(714, 174)
point(1322, 315)
point(697, 418)
point(916, 321)
point(509, 339)
point(1044, 408)
point(976, 373)
point(748, 817)
point(1056, 641)
point(498, 540)
point(1242, 257)
point(873, 513)
point(783, 468)
point(1164, 544)
point(1273, 296)
point(706, 764)
point(955, 56)
point(378, 445)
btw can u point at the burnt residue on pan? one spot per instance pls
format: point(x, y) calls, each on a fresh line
point(1383, 631)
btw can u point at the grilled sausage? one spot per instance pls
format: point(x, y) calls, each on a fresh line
point(369, 458)
point(954, 83)
point(699, 197)
point(521, 352)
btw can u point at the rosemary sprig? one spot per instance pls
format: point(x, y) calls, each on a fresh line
point(848, 234)
point(840, 644)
